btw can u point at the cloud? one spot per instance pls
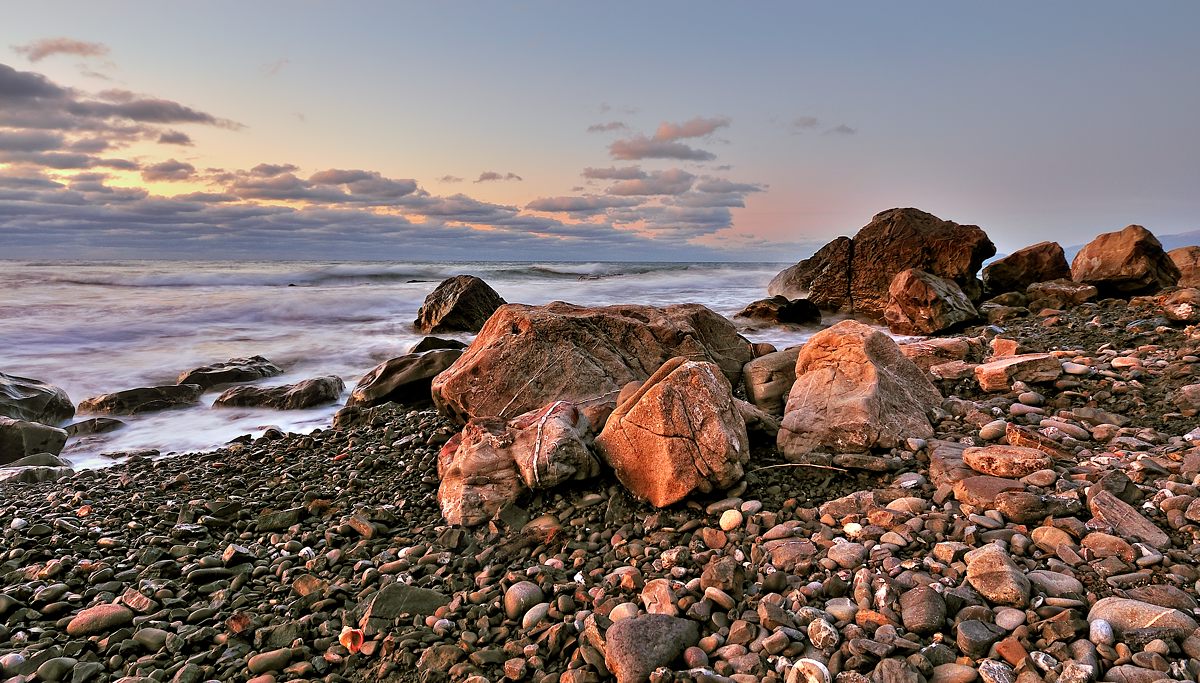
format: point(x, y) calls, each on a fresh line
point(607, 127)
point(803, 123)
point(174, 137)
point(29, 141)
point(273, 68)
point(614, 173)
point(642, 147)
point(585, 205)
point(38, 50)
point(170, 170)
point(671, 181)
point(841, 129)
point(695, 128)
point(723, 186)
point(492, 176)
point(449, 179)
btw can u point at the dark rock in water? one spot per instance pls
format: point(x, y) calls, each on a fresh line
point(405, 380)
point(462, 303)
point(22, 398)
point(231, 371)
point(303, 394)
point(143, 400)
point(534, 355)
point(36, 468)
point(923, 303)
point(854, 275)
point(94, 425)
point(19, 438)
point(435, 343)
point(1187, 260)
point(1040, 262)
point(1131, 261)
point(638, 645)
point(781, 310)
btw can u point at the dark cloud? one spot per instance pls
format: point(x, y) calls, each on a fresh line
point(450, 179)
point(803, 123)
point(642, 147)
point(168, 170)
point(22, 85)
point(585, 205)
point(695, 128)
point(841, 129)
point(29, 141)
point(174, 137)
point(492, 176)
point(46, 47)
point(671, 181)
point(721, 185)
point(273, 68)
point(607, 127)
point(614, 173)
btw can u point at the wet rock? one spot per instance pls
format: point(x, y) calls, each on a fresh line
point(304, 394)
point(921, 303)
point(27, 399)
point(405, 380)
point(1037, 263)
point(20, 438)
point(99, 619)
point(232, 371)
point(143, 400)
point(462, 303)
point(95, 425)
point(782, 311)
point(1131, 261)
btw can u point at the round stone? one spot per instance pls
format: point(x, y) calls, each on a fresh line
point(1009, 619)
point(520, 597)
point(730, 520)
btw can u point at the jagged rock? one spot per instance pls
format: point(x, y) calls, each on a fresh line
point(303, 394)
point(1187, 260)
point(1059, 294)
point(462, 303)
point(926, 353)
point(923, 610)
point(1131, 261)
point(921, 303)
point(22, 398)
point(550, 446)
point(854, 275)
point(781, 310)
point(232, 371)
point(1125, 519)
point(143, 400)
point(855, 391)
point(1012, 462)
point(1031, 368)
point(1182, 305)
point(679, 433)
point(769, 378)
point(1040, 262)
point(405, 380)
point(533, 355)
point(20, 438)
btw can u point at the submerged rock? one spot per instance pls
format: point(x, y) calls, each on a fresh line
point(21, 438)
point(304, 394)
point(231, 371)
point(781, 310)
point(143, 400)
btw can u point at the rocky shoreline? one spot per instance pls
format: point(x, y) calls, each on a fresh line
point(1017, 502)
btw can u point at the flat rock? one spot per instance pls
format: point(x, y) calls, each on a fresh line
point(143, 400)
point(303, 394)
point(1011, 462)
point(232, 371)
point(1125, 519)
point(636, 646)
point(1125, 614)
point(999, 375)
point(99, 619)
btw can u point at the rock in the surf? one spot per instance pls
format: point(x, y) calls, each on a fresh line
point(20, 438)
point(304, 394)
point(143, 399)
point(22, 398)
point(232, 371)
point(405, 380)
point(462, 303)
point(782, 311)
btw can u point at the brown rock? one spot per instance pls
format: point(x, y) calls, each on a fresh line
point(405, 380)
point(1131, 261)
point(927, 353)
point(27, 399)
point(1059, 294)
point(993, 573)
point(1187, 260)
point(550, 446)
point(479, 477)
point(854, 275)
point(1125, 520)
point(1012, 462)
point(981, 491)
point(921, 303)
point(143, 400)
point(680, 433)
point(99, 619)
point(1031, 368)
point(1040, 262)
point(769, 378)
point(855, 391)
point(533, 355)
point(781, 310)
point(303, 394)
point(1182, 305)
point(923, 610)
point(462, 303)
point(1125, 614)
point(636, 646)
point(231, 371)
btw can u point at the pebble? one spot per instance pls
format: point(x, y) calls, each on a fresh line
point(730, 520)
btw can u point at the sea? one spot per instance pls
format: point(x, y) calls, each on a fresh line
point(98, 327)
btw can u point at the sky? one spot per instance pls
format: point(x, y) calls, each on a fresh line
point(585, 131)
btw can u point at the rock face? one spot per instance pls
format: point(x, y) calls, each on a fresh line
point(1131, 261)
point(20, 438)
point(1040, 262)
point(636, 646)
point(769, 378)
point(533, 355)
point(22, 398)
point(854, 275)
point(405, 380)
point(678, 434)
point(462, 303)
point(303, 394)
point(143, 400)
point(781, 310)
point(231, 371)
point(1187, 260)
point(855, 391)
point(921, 303)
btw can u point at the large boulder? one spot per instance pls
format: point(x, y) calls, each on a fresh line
point(769, 378)
point(1187, 260)
point(21, 438)
point(854, 275)
point(679, 433)
point(405, 380)
point(528, 356)
point(232, 371)
point(1037, 263)
point(1131, 261)
point(22, 398)
point(782, 311)
point(1058, 294)
point(921, 303)
point(855, 391)
point(462, 303)
point(303, 394)
point(143, 399)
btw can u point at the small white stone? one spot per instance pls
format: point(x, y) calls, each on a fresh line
point(730, 520)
